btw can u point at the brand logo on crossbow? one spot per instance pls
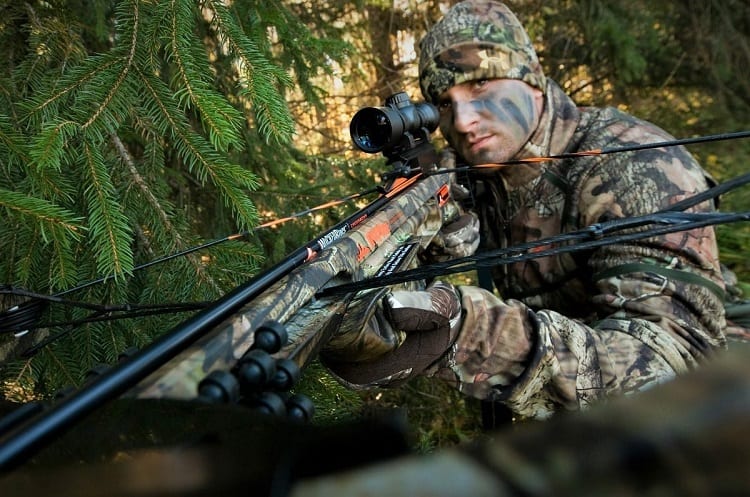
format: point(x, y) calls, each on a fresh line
point(331, 237)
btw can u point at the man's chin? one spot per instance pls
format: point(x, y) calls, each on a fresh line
point(482, 158)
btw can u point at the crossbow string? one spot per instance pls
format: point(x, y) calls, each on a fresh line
point(25, 316)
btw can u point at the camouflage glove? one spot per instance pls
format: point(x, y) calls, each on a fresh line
point(437, 307)
point(403, 333)
point(459, 237)
point(364, 333)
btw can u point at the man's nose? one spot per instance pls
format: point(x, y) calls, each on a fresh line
point(464, 116)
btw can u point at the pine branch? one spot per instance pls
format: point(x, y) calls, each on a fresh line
point(263, 82)
point(201, 159)
point(222, 120)
point(148, 125)
point(55, 221)
point(157, 207)
point(109, 230)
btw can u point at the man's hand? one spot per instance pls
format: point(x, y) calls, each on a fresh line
point(459, 237)
point(437, 307)
point(365, 333)
point(403, 333)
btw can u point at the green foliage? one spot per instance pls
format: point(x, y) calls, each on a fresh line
point(130, 131)
point(437, 414)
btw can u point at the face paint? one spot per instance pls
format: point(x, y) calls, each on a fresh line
point(489, 121)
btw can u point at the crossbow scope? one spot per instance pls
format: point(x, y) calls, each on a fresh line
point(394, 127)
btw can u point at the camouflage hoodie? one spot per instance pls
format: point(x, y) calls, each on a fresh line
point(570, 329)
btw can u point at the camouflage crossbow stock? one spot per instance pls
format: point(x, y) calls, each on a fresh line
point(266, 331)
point(288, 318)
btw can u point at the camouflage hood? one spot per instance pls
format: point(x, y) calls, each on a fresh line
point(476, 39)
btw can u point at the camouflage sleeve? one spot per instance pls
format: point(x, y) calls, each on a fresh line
point(542, 362)
point(658, 302)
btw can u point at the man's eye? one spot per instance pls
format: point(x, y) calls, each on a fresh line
point(445, 106)
point(480, 83)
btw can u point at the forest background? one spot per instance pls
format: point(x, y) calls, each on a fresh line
point(132, 130)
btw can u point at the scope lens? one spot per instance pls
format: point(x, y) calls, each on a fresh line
point(371, 129)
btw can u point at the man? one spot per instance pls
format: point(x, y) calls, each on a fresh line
point(566, 330)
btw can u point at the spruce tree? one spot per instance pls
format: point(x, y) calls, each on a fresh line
point(129, 131)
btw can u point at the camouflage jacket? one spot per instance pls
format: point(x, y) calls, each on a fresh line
point(574, 328)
